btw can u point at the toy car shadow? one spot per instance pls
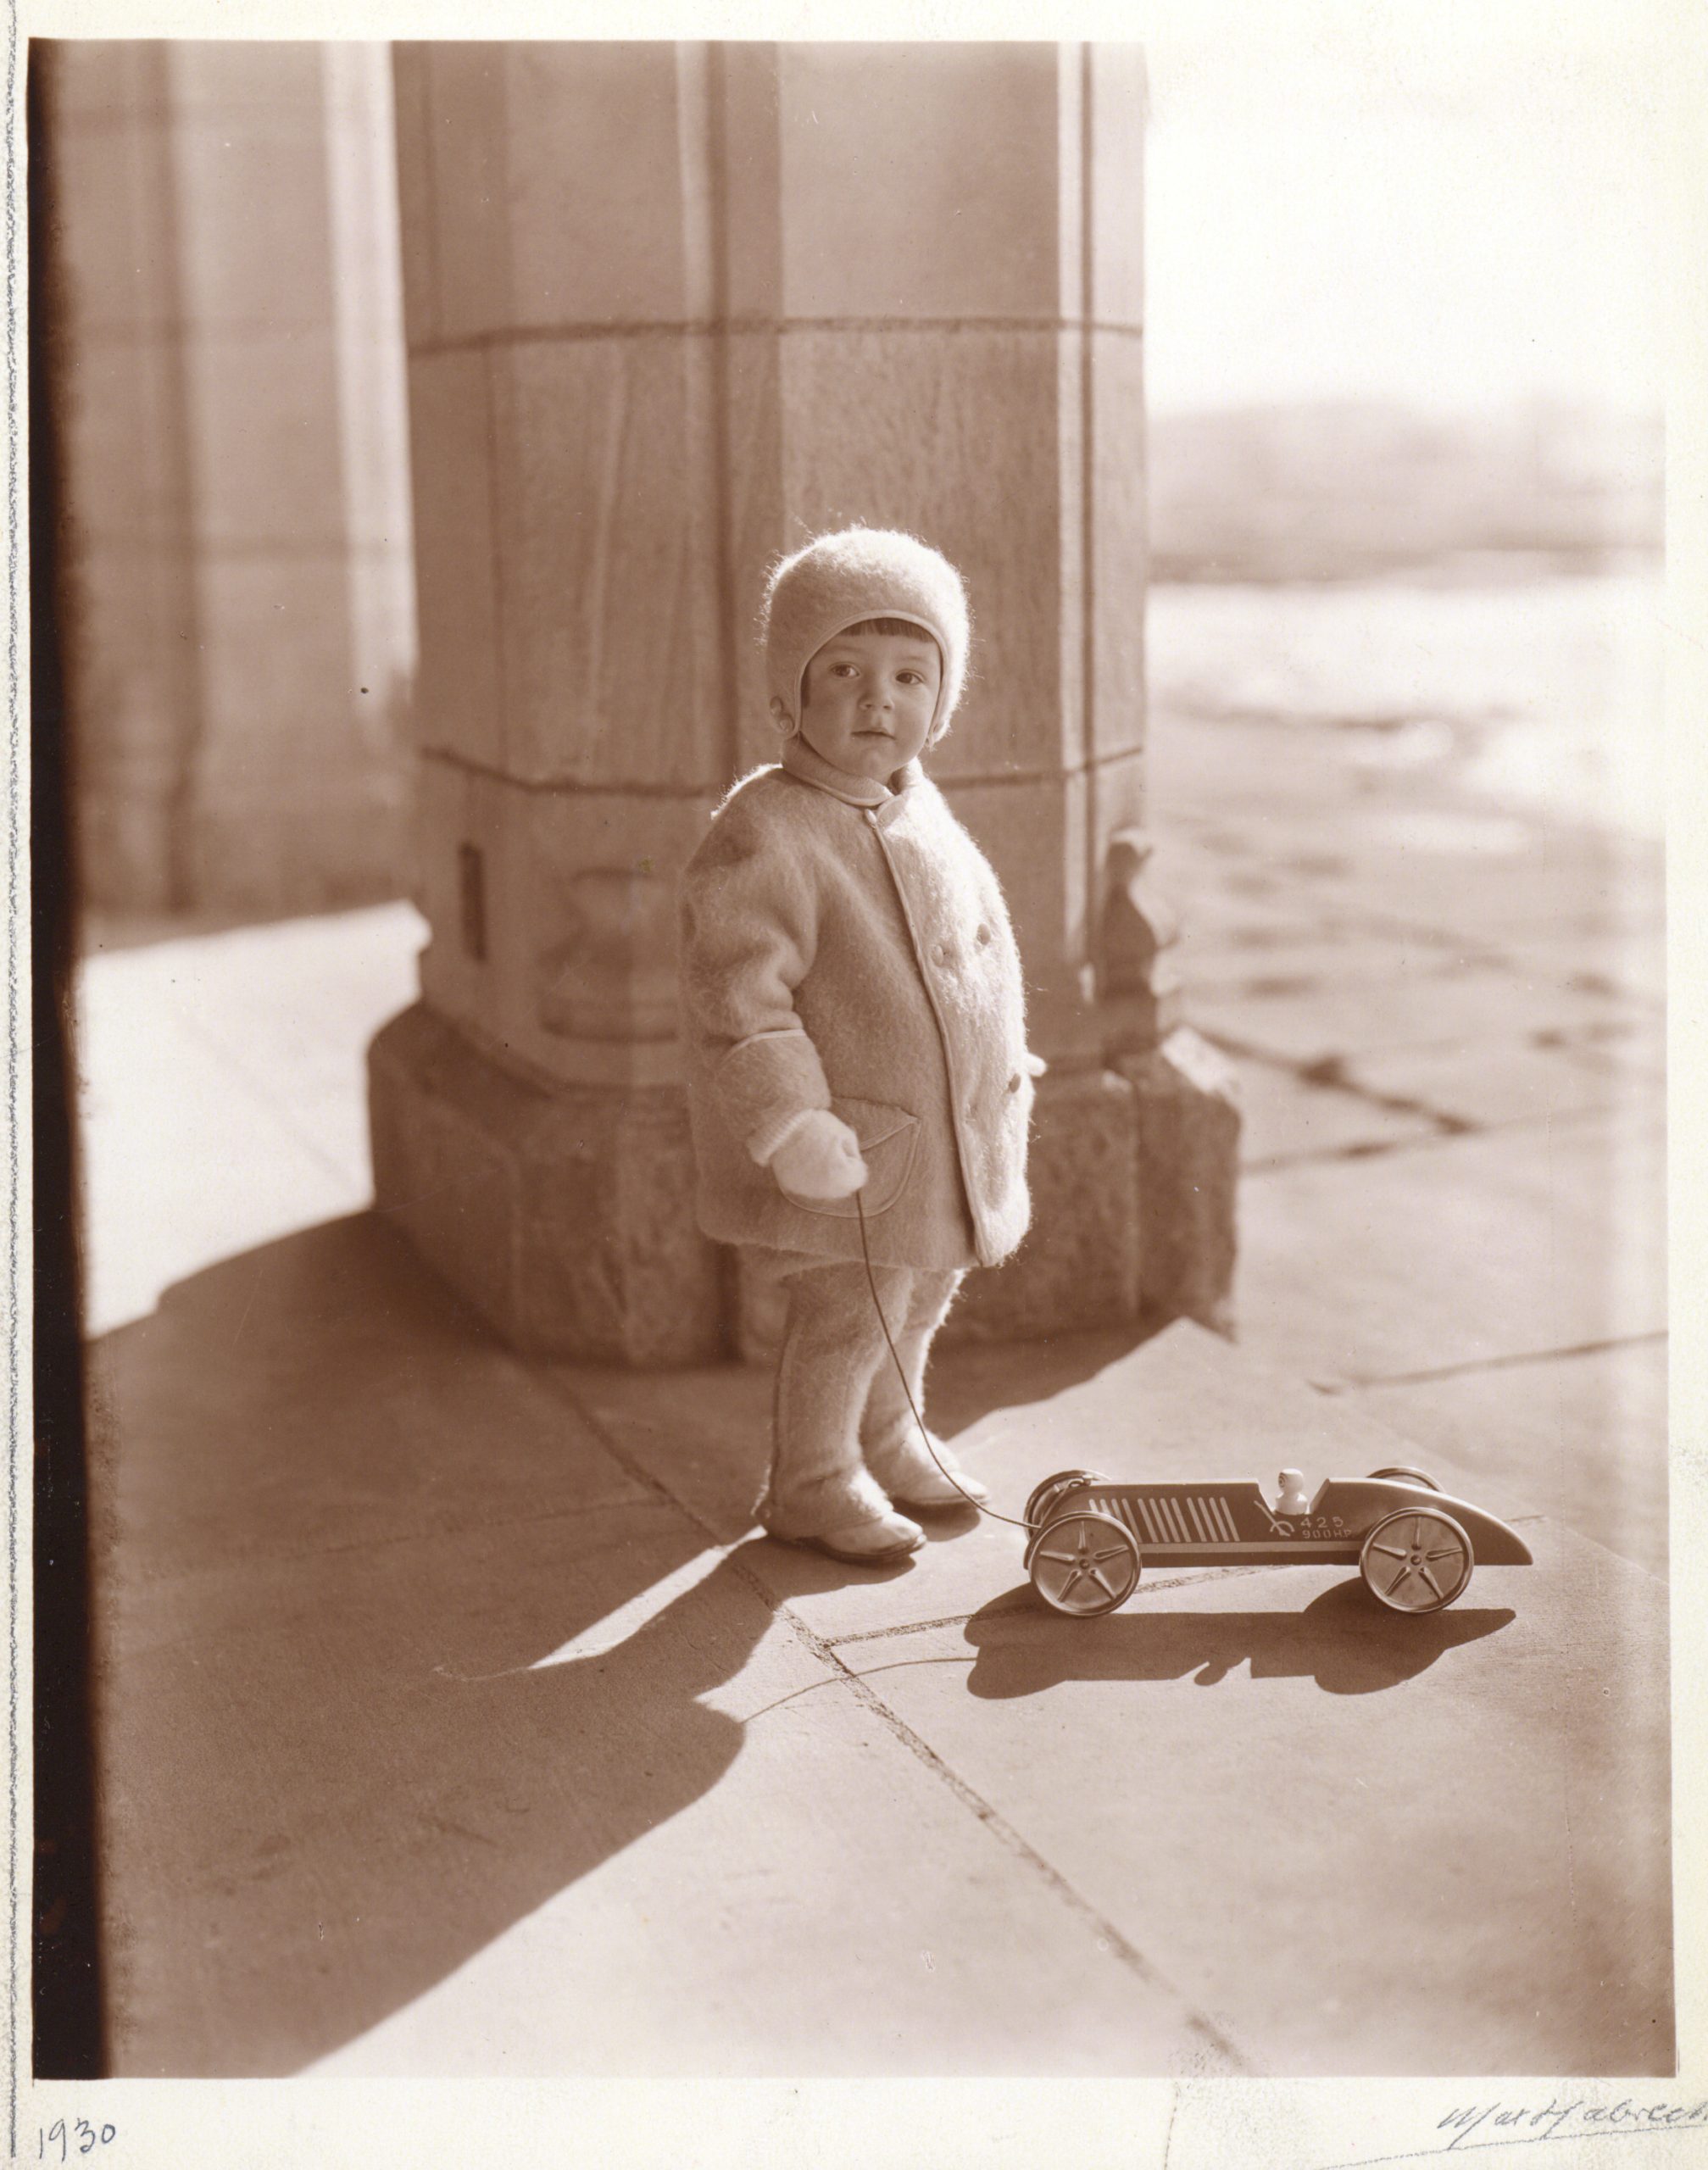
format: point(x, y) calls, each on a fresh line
point(1340, 1639)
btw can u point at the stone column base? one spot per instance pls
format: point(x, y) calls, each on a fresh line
point(564, 1216)
point(1134, 1172)
point(1187, 1104)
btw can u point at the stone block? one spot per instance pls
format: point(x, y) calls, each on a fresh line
point(278, 691)
point(1115, 591)
point(564, 1216)
point(554, 919)
point(261, 410)
point(1034, 833)
point(1187, 1109)
point(113, 237)
point(465, 111)
point(411, 109)
point(952, 433)
point(1038, 833)
point(459, 691)
point(1080, 1266)
point(754, 521)
point(1119, 100)
point(1139, 936)
point(1133, 1179)
point(124, 442)
point(613, 642)
point(253, 216)
point(601, 190)
point(746, 82)
point(890, 212)
point(453, 890)
point(97, 80)
point(211, 79)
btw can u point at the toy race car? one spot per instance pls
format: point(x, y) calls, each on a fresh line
point(1414, 1544)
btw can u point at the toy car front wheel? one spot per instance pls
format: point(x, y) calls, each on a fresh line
point(1084, 1563)
point(1410, 1476)
point(1045, 1495)
point(1416, 1561)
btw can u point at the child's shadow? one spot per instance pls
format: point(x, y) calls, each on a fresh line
point(1342, 1639)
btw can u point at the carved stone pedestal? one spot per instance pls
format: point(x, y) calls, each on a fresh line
point(562, 1214)
point(671, 309)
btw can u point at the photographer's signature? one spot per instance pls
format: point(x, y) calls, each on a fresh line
point(1476, 2126)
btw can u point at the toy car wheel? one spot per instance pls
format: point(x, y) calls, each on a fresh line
point(1409, 1476)
point(1085, 1563)
point(1052, 1489)
point(1416, 1561)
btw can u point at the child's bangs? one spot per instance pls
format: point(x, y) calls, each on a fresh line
point(895, 628)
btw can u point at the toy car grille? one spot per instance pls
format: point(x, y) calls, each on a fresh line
point(1188, 1518)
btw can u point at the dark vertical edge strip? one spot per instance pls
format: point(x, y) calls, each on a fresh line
point(493, 358)
point(65, 1974)
point(1087, 485)
point(14, 921)
point(717, 161)
point(185, 689)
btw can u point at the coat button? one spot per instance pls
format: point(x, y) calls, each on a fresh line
point(941, 952)
point(984, 936)
point(1014, 1083)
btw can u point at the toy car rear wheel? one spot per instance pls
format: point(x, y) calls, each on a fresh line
point(1406, 1475)
point(1084, 1563)
point(1416, 1561)
point(1044, 1495)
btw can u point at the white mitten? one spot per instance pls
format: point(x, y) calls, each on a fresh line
point(820, 1157)
point(1035, 1064)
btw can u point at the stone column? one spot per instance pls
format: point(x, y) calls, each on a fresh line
point(670, 311)
point(229, 358)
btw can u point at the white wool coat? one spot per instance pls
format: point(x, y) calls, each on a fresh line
point(858, 958)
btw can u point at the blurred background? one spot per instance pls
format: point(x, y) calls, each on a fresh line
point(1404, 464)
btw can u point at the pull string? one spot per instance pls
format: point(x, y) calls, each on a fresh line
point(872, 1282)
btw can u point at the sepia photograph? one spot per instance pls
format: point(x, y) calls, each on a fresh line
point(849, 955)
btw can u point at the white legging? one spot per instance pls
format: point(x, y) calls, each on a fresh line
point(842, 1432)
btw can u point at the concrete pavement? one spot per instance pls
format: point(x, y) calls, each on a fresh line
point(455, 1719)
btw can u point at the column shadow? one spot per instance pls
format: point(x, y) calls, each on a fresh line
point(343, 1536)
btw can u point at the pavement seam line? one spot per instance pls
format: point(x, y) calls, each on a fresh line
point(1000, 1828)
point(1354, 1382)
point(959, 1619)
point(1154, 1978)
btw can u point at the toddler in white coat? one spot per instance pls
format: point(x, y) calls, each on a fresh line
point(855, 1031)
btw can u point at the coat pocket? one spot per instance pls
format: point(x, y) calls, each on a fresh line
point(888, 1139)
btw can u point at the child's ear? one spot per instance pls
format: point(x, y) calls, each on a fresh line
point(780, 716)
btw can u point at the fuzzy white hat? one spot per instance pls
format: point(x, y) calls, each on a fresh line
point(862, 572)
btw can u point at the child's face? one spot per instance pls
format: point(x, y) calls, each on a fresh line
point(868, 701)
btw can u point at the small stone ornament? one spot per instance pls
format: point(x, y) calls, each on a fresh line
point(1415, 1545)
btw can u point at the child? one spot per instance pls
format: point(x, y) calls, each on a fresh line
point(855, 1024)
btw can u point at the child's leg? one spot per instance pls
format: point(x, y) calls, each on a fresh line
point(831, 1347)
point(889, 1437)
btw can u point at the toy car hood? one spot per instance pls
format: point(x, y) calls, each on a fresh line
point(1361, 1502)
